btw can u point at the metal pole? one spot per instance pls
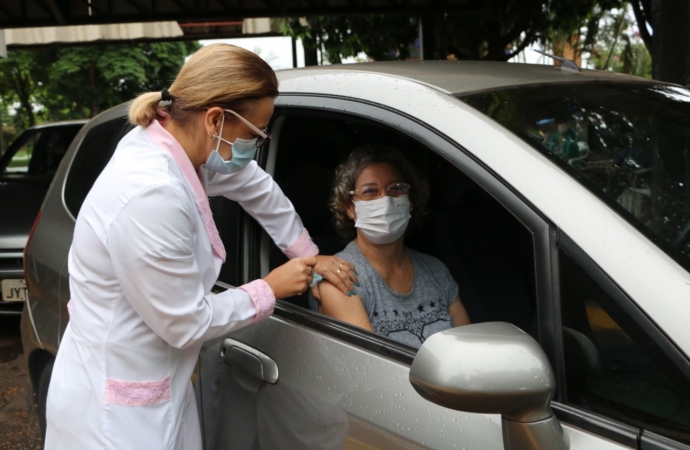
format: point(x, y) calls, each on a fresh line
point(294, 52)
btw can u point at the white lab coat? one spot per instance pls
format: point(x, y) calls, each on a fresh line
point(144, 258)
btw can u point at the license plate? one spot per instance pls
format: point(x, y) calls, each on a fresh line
point(13, 290)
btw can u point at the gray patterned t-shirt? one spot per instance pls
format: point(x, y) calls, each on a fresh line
point(406, 318)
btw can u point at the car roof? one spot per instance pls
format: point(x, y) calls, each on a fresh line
point(462, 77)
point(61, 123)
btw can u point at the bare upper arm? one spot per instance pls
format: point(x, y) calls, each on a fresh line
point(457, 313)
point(339, 306)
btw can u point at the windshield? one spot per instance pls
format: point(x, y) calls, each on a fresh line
point(628, 143)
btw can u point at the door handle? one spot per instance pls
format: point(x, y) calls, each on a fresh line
point(249, 360)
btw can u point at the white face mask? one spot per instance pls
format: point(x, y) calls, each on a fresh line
point(383, 220)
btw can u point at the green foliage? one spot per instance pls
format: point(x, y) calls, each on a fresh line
point(616, 47)
point(81, 81)
point(381, 37)
point(23, 75)
point(486, 30)
point(99, 77)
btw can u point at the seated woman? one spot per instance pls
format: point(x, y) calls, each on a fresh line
point(402, 294)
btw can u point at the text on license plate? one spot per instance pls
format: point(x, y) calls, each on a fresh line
point(14, 290)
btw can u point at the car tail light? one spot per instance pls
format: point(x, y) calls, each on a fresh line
point(31, 234)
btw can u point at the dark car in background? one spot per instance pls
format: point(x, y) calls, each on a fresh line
point(26, 170)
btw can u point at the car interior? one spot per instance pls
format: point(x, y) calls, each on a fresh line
point(488, 252)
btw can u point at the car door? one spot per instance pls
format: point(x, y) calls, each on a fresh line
point(620, 376)
point(339, 386)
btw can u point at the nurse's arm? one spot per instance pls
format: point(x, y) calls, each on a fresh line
point(339, 306)
point(151, 248)
point(263, 199)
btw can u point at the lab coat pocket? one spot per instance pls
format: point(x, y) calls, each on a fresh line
point(138, 414)
point(137, 393)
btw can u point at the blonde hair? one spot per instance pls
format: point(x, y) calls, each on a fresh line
point(217, 75)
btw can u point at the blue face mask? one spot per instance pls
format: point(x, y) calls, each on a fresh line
point(243, 151)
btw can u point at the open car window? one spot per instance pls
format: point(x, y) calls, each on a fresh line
point(467, 229)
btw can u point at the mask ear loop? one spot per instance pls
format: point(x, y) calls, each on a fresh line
point(222, 123)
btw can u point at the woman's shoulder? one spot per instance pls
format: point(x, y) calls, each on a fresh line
point(351, 253)
point(427, 263)
point(433, 270)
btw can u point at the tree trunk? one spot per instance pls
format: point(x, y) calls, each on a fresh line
point(671, 41)
point(311, 57)
point(670, 63)
point(25, 99)
point(92, 80)
point(2, 134)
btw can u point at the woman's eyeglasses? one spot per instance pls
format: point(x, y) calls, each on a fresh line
point(262, 136)
point(370, 192)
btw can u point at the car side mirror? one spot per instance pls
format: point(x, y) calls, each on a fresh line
point(492, 368)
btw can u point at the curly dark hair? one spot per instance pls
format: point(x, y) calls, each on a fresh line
point(348, 171)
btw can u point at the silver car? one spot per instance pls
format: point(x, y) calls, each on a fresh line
point(560, 202)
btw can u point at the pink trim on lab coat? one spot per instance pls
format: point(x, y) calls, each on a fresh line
point(165, 140)
point(262, 296)
point(303, 246)
point(137, 393)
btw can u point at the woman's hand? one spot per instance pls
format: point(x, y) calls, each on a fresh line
point(292, 278)
point(338, 272)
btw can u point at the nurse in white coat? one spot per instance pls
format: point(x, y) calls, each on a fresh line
point(146, 254)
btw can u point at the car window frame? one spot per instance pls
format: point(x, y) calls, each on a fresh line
point(117, 112)
point(14, 147)
point(21, 140)
point(543, 232)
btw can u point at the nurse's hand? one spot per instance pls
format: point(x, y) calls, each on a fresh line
point(292, 278)
point(338, 272)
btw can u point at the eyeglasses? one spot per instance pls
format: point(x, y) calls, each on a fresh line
point(263, 137)
point(370, 192)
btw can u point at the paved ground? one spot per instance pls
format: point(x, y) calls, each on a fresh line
point(18, 424)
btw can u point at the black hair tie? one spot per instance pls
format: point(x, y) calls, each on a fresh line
point(165, 95)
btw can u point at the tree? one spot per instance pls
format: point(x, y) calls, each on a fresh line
point(23, 75)
point(80, 81)
point(664, 27)
point(381, 37)
point(98, 77)
point(490, 30)
point(616, 45)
